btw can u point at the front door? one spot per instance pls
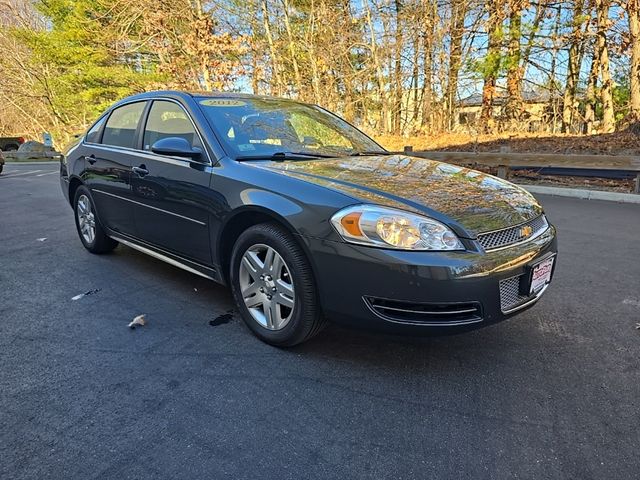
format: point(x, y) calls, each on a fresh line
point(172, 193)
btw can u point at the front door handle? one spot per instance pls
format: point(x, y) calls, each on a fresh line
point(91, 158)
point(141, 170)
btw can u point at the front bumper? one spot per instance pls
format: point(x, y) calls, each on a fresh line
point(378, 288)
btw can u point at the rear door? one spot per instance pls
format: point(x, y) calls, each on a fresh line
point(110, 156)
point(172, 193)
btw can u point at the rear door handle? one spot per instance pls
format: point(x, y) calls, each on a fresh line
point(141, 170)
point(91, 158)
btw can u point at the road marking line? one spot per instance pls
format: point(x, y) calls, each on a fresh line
point(49, 173)
point(18, 174)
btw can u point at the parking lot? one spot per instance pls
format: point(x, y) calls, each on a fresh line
point(552, 393)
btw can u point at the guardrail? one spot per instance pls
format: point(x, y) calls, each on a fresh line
point(504, 161)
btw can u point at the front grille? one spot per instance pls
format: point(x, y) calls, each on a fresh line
point(426, 313)
point(510, 296)
point(511, 235)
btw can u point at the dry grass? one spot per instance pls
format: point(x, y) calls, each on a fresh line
point(619, 143)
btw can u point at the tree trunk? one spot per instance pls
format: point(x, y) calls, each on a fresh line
point(292, 52)
point(492, 64)
point(379, 71)
point(590, 96)
point(606, 90)
point(633, 13)
point(514, 107)
point(276, 83)
point(427, 65)
point(458, 14)
point(575, 62)
point(397, 74)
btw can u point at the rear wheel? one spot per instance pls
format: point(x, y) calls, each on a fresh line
point(273, 286)
point(90, 231)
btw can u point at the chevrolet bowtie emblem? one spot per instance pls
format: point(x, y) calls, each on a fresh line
point(526, 231)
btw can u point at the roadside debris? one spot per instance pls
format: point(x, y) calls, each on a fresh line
point(222, 319)
point(41, 239)
point(90, 292)
point(637, 326)
point(139, 320)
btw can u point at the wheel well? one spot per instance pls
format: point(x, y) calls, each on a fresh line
point(73, 186)
point(235, 227)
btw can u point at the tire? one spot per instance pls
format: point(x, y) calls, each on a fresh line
point(288, 279)
point(84, 210)
point(1, 167)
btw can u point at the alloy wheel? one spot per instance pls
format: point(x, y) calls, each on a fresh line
point(267, 286)
point(86, 219)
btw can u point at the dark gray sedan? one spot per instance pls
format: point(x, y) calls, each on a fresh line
point(305, 217)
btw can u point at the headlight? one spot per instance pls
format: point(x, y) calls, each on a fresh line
point(391, 228)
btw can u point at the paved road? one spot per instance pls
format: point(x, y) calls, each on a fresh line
point(554, 393)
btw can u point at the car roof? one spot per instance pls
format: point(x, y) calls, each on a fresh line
point(196, 94)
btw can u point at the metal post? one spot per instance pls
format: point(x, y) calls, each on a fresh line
point(503, 171)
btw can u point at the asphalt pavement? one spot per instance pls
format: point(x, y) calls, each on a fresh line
point(551, 394)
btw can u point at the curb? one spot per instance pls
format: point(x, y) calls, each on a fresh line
point(583, 193)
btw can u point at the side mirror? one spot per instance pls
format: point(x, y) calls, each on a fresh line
point(175, 146)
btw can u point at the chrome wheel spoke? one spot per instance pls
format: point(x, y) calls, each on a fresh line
point(251, 290)
point(270, 260)
point(284, 300)
point(284, 287)
point(267, 307)
point(253, 263)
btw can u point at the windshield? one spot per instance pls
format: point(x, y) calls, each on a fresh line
point(260, 128)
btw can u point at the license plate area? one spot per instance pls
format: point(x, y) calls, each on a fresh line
point(538, 275)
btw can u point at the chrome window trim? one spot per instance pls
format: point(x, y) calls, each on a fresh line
point(153, 156)
point(149, 206)
point(209, 162)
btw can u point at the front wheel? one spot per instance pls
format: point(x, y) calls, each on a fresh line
point(273, 286)
point(91, 233)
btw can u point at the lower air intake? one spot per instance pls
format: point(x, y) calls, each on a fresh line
point(425, 313)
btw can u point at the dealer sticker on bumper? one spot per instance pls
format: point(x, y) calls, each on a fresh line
point(541, 275)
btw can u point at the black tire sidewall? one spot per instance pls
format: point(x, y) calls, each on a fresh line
point(304, 288)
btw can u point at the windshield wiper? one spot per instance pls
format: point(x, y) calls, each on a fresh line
point(282, 156)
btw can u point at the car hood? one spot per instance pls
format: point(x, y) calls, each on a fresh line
point(474, 200)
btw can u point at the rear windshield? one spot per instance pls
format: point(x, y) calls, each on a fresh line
point(251, 127)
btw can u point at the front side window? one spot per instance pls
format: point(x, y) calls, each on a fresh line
point(120, 129)
point(168, 119)
point(256, 127)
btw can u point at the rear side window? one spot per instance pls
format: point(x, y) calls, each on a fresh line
point(168, 119)
point(93, 135)
point(120, 129)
